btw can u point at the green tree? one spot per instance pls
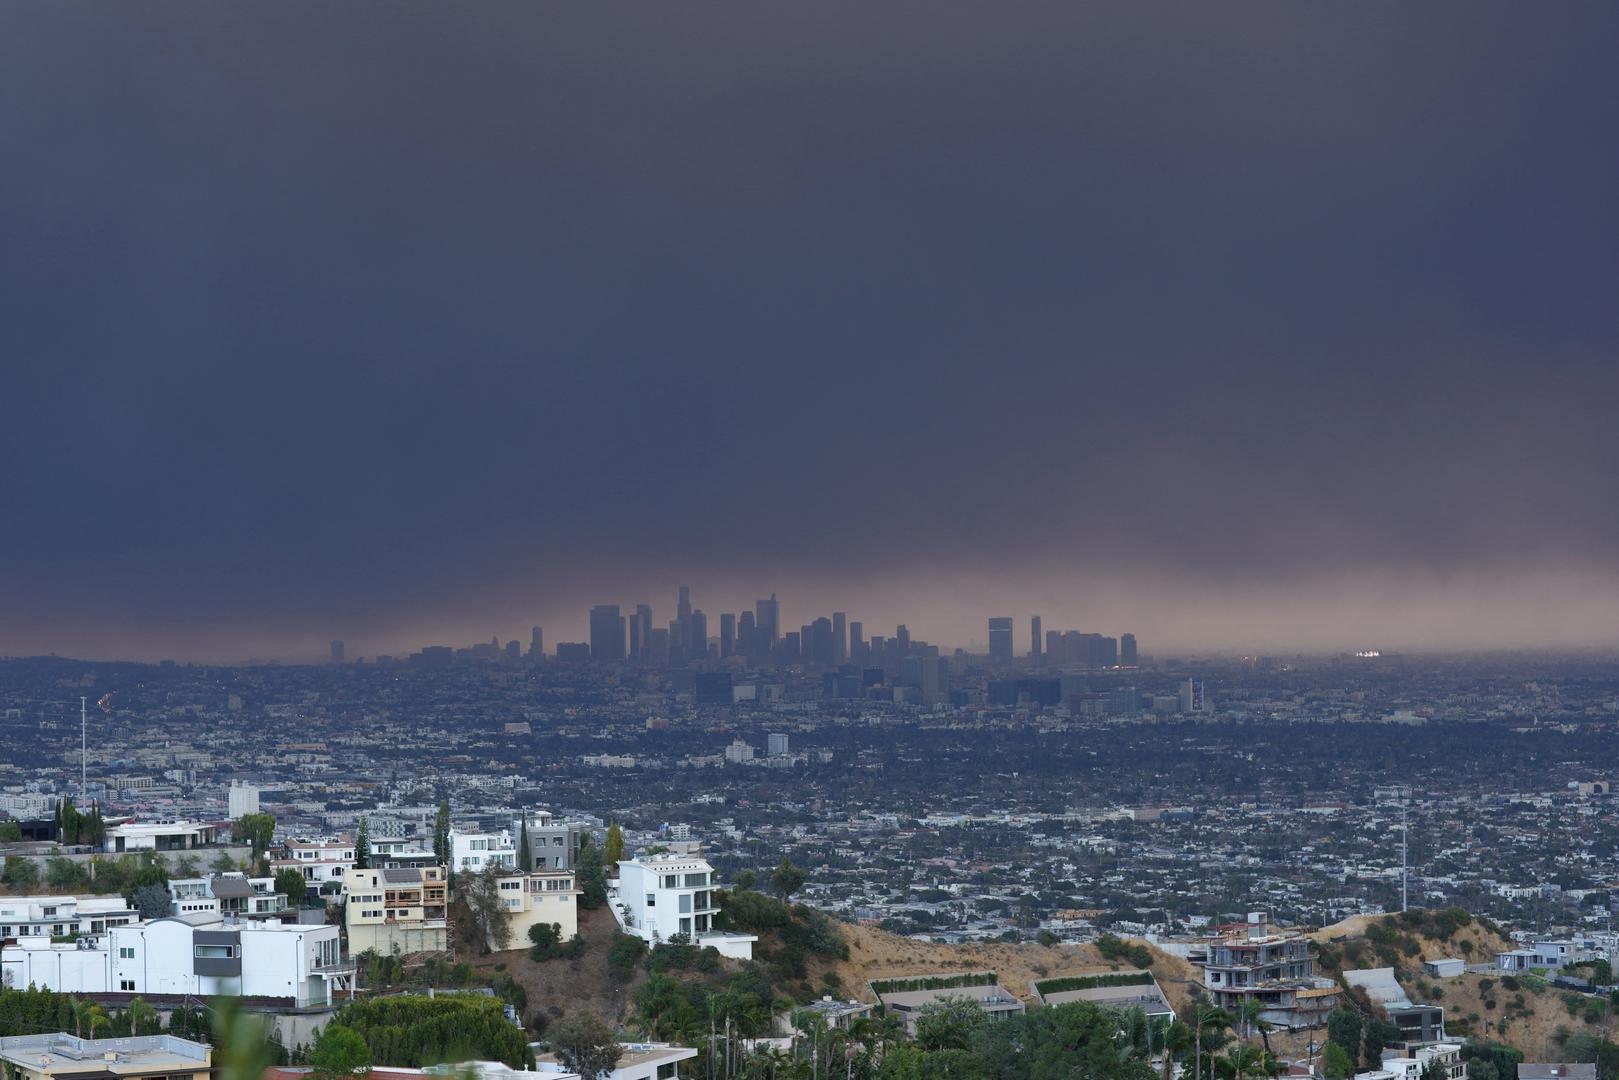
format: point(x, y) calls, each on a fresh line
point(223, 863)
point(256, 831)
point(339, 1051)
point(525, 852)
point(291, 884)
point(152, 901)
point(592, 877)
point(20, 873)
point(1335, 1063)
point(585, 1044)
point(613, 846)
point(1344, 1027)
point(743, 880)
point(786, 879)
point(491, 922)
point(948, 1024)
point(362, 845)
point(441, 835)
point(143, 1019)
point(1435, 1070)
point(10, 832)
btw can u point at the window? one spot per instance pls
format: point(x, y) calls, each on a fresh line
point(556, 841)
point(126, 954)
point(126, 985)
point(685, 926)
point(217, 952)
point(667, 1072)
point(651, 899)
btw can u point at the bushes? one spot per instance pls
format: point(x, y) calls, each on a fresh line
point(548, 943)
point(1116, 948)
point(412, 1030)
point(1089, 982)
point(934, 982)
point(625, 953)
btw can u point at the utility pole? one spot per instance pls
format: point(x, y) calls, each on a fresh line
point(84, 750)
point(1405, 833)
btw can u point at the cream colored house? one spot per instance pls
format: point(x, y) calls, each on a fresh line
point(543, 896)
point(396, 910)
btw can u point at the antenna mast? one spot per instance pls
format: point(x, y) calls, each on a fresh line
point(1405, 833)
point(84, 750)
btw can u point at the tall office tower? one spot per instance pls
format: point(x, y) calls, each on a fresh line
point(1000, 640)
point(1034, 637)
point(514, 649)
point(1193, 700)
point(823, 650)
point(337, 652)
point(902, 635)
point(536, 644)
point(747, 636)
point(767, 614)
point(1053, 646)
point(790, 648)
point(697, 636)
point(1127, 650)
point(857, 643)
point(727, 634)
point(776, 744)
point(643, 615)
point(606, 633)
point(804, 641)
point(685, 602)
point(840, 637)
point(657, 648)
point(636, 643)
point(1073, 647)
point(243, 799)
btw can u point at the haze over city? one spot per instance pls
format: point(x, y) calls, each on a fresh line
point(1246, 328)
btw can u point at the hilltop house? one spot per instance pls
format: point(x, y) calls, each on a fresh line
point(1252, 964)
point(659, 897)
point(396, 909)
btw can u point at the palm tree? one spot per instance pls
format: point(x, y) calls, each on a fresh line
point(1205, 1017)
point(94, 1014)
point(142, 1017)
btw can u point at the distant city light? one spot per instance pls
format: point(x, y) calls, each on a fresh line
point(1368, 653)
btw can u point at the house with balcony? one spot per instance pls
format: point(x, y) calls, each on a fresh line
point(159, 836)
point(1250, 963)
point(552, 844)
point(59, 916)
point(321, 861)
point(475, 852)
point(661, 897)
point(543, 896)
point(230, 895)
point(396, 909)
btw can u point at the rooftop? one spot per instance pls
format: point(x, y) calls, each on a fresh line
point(145, 1053)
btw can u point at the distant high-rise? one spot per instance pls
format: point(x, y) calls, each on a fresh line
point(1054, 652)
point(1193, 700)
point(514, 649)
point(1127, 650)
point(696, 635)
point(767, 615)
point(727, 634)
point(840, 637)
point(657, 648)
point(643, 615)
point(1000, 640)
point(337, 652)
point(242, 799)
point(685, 602)
point(536, 644)
point(857, 643)
point(776, 744)
point(822, 648)
point(1034, 637)
point(636, 644)
point(747, 636)
point(606, 633)
point(902, 639)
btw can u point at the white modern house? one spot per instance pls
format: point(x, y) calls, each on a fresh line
point(659, 897)
point(159, 836)
point(59, 916)
point(474, 852)
point(200, 955)
point(322, 861)
point(228, 894)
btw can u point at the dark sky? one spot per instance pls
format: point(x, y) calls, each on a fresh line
point(1266, 324)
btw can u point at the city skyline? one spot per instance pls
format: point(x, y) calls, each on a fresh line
point(1244, 327)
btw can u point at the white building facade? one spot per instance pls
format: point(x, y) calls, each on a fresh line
point(660, 897)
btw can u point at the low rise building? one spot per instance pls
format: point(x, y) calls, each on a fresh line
point(907, 997)
point(144, 1057)
point(474, 852)
point(59, 916)
point(159, 836)
point(637, 1061)
point(200, 955)
point(322, 861)
point(1250, 963)
point(229, 894)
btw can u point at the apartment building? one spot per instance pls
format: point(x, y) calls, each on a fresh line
point(474, 852)
point(1250, 963)
point(201, 955)
point(322, 861)
point(59, 916)
point(396, 909)
point(661, 896)
point(143, 1057)
point(1413, 1064)
point(229, 894)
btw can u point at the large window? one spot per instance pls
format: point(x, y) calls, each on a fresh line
point(216, 952)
